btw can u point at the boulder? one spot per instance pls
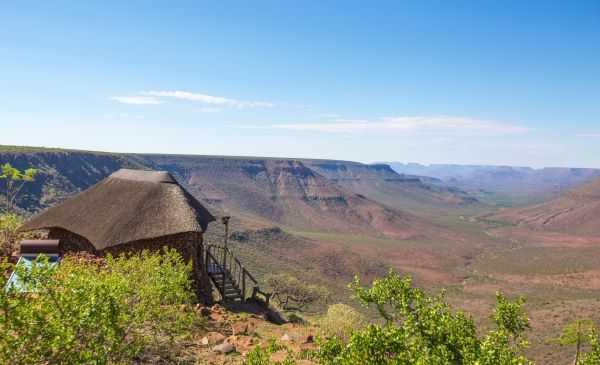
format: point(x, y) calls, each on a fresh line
point(240, 329)
point(204, 341)
point(217, 308)
point(224, 348)
point(285, 338)
point(306, 339)
point(203, 311)
point(247, 342)
point(215, 337)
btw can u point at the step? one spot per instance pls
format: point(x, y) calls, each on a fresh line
point(220, 276)
point(230, 297)
point(228, 281)
point(216, 269)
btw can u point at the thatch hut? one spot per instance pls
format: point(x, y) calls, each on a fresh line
point(131, 210)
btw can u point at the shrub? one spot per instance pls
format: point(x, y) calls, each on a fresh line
point(87, 314)
point(341, 320)
point(9, 222)
point(421, 329)
point(296, 318)
point(294, 294)
point(579, 333)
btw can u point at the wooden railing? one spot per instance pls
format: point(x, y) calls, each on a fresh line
point(219, 257)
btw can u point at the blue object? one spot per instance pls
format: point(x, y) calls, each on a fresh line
point(27, 261)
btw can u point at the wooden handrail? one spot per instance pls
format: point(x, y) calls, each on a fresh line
point(219, 255)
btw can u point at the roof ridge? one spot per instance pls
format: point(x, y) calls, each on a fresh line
point(144, 175)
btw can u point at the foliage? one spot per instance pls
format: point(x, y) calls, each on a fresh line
point(96, 315)
point(593, 357)
point(294, 294)
point(423, 329)
point(341, 320)
point(262, 356)
point(578, 333)
point(293, 317)
point(15, 180)
point(9, 222)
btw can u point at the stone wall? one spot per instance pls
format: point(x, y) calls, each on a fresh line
point(70, 242)
point(188, 244)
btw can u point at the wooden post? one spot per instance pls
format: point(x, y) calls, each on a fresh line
point(223, 269)
point(243, 284)
point(225, 221)
point(206, 268)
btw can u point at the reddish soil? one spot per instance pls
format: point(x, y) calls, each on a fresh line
point(577, 211)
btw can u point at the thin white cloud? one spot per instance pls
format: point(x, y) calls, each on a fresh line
point(587, 134)
point(135, 100)
point(207, 99)
point(432, 125)
point(210, 110)
point(123, 116)
point(325, 115)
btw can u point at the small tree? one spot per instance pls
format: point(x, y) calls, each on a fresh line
point(15, 180)
point(423, 329)
point(578, 333)
point(293, 294)
point(341, 320)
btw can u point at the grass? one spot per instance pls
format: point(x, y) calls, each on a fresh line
point(9, 148)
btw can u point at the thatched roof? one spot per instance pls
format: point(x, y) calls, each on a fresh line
point(127, 206)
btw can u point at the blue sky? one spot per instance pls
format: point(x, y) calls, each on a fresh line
point(471, 82)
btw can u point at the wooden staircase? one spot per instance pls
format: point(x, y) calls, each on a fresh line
point(229, 276)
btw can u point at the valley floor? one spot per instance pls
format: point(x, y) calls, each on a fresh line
point(558, 273)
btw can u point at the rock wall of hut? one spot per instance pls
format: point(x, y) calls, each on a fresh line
point(188, 244)
point(70, 242)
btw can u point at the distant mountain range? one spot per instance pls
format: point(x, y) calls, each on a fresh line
point(315, 195)
point(577, 211)
point(522, 183)
point(325, 196)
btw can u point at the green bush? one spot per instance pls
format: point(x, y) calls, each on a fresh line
point(87, 314)
point(579, 334)
point(420, 329)
point(341, 320)
point(293, 317)
point(292, 294)
point(9, 222)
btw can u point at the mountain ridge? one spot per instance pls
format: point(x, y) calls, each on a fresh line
point(577, 211)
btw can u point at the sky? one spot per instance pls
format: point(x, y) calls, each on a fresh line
point(465, 82)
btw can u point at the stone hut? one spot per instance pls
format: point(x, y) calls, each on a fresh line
point(129, 211)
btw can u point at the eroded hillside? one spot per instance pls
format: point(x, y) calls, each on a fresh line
point(383, 184)
point(286, 192)
point(576, 211)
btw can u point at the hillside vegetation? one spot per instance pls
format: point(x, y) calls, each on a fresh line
point(139, 309)
point(325, 222)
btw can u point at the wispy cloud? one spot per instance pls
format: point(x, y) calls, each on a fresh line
point(325, 115)
point(587, 134)
point(210, 110)
point(136, 100)
point(432, 125)
point(207, 99)
point(123, 116)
